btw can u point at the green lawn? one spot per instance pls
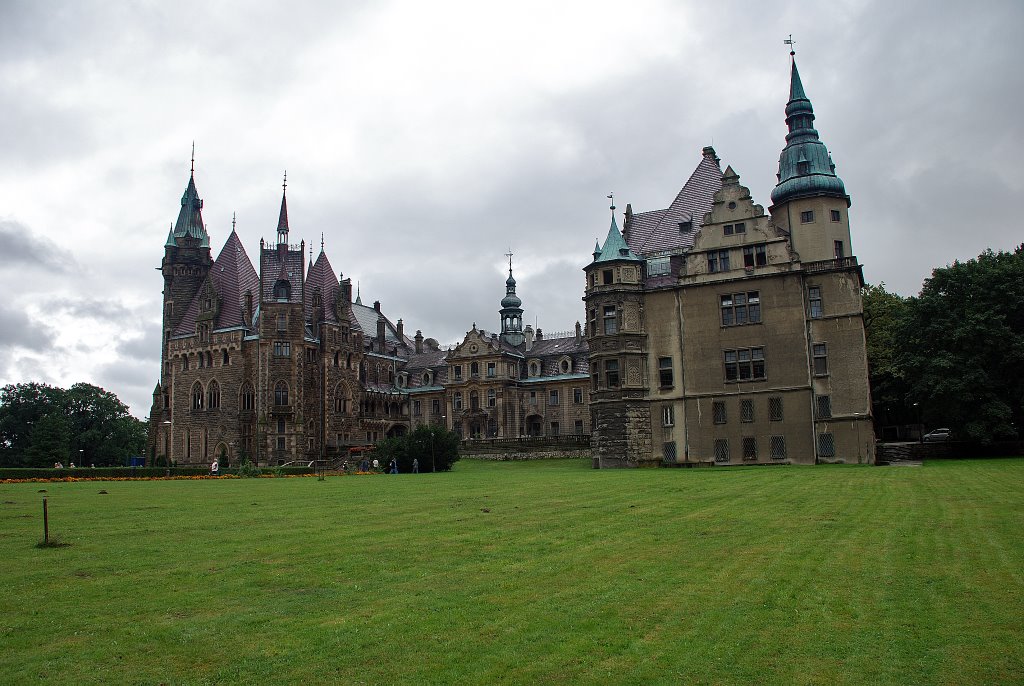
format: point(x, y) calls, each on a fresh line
point(545, 572)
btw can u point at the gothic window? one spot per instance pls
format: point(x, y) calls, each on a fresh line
point(337, 358)
point(282, 290)
point(209, 358)
point(184, 363)
point(248, 397)
point(213, 395)
point(197, 396)
point(281, 393)
point(391, 374)
point(225, 358)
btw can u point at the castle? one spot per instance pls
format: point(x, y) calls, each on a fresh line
point(715, 334)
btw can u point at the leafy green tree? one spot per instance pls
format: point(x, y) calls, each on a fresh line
point(961, 346)
point(885, 315)
point(41, 424)
point(436, 448)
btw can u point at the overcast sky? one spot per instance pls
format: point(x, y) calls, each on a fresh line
point(425, 139)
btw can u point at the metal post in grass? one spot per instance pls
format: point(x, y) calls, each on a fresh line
point(46, 524)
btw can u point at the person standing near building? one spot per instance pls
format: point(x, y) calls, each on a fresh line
point(415, 465)
point(393, 467)
point(214, 468)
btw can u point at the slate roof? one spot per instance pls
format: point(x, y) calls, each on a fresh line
point(650, 232)
point(190, 217)
point(321, 276)
point(366, 318)
point(552, 350)
point(233, 274)
point(284, 264)
point(614, 247)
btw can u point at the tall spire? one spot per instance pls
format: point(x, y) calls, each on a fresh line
point(190, 217)
point(805, 165)
point(282, 221)
point(511, 309)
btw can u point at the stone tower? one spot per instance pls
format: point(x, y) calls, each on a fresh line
point(511, 311)
point(620, 417)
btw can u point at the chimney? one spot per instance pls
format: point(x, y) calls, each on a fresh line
point(579, 332)
point(540, 334)
point(401, 330)
point(376, 305)
point(346, 290)
point(419, 341)
point(381, 329)
point(528, 332)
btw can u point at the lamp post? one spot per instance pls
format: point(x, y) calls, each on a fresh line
point(81, 457)
point(167, 446)
point(920, 426)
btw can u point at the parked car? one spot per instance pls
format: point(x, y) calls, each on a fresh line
point(936, 436)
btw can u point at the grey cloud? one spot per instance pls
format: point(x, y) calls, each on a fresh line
point(109, 310)
point(19, 330)
point(21, 248)
point(145, 347)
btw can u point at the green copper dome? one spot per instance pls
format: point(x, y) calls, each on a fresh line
point(805, 165)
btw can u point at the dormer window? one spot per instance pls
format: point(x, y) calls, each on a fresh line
point(803, 167)
point(565, 365)
point(426, 378)
point(685, 227)
point(534, 368)
point(282, 290)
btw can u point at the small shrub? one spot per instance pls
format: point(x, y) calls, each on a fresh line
point(247, 470)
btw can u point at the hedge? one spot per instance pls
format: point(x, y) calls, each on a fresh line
point(117, 472)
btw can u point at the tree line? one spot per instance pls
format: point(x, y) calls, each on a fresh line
point(952, 356)
point(41, 425)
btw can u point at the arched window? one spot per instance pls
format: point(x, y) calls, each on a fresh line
point(248, 397)
point(282, 290)
point(457, 400)
point(337, 358)
point(391, 374)
point(342, 402)
point(197, 396)
point(362, 371)
point(184, 363)
point(348, 361)
point(209, 359)
point(213, 395)
point(474, 400)
point(226, 360)
point(426, 378)
point(202, 360)
point(474, 369)
point(281, 393)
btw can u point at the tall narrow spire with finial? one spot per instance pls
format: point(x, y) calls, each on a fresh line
point(282, 221)
point(511, 309)
point(190, 217)
point(359, 297)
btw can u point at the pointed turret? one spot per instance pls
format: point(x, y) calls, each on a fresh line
point(282, 221)
point(614, 247)
point(805, 166)
point(190, 217)
point(511, 310)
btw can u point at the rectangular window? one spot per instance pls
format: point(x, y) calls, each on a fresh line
point(807, 217)
point(723, 260)
point(610, 320)
point(492, 370)
point(577, 396)
point(457, 401)
point(727, 229)
point(492, 397)
point(435, 406)
point(554, 428)
point(814, 302)
point(823, 406)
point(718, 412)
point(749, 448)
point(836, 216)
point(457, 372)
point(741, 227)
point(665, 379)
point(280, 442)
point(416, 411)
point(826, 445)
point(744, 364)
point(282, 322)
point(611, 373)
point(607, 277)
point(740, 308)
point(746, 411)
point(670, 451)
point(721, 450)
point(820, 351)
point(775, 409)
point(578, 427)
point(778, 447)
point(282, 349)
point(668, 415)
point(553, 398)
point(840, 252)
point(657, 266)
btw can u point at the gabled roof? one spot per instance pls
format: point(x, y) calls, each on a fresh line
point(233, 275)
point(321, 276)
point(659, 230)
point(366, 318)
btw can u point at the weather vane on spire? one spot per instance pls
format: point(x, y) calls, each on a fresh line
point(284, 185)
point(509, 256)
point(232, 222)
point(611, 196)
point(193, 157)
point(792, 45)
point(321, 241)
